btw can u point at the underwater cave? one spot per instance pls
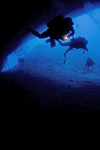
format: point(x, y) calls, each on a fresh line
point(36, 83)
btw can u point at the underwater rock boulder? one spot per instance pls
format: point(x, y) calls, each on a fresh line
point(20, 60)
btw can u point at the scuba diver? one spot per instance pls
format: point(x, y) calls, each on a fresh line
point(58, 27)
point(78, 43)
point(89, 63)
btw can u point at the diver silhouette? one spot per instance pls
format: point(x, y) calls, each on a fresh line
point(89, 63)
point(78, 43)
point(57, 28)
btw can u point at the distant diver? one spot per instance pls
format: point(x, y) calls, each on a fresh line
point(89, 63)
point(58, 27)
point(78, 43)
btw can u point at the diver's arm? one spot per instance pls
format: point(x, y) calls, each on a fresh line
point(62, 44)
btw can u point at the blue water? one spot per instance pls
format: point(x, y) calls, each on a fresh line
point(42, 60)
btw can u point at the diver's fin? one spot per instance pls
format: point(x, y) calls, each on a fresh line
point(47, 41)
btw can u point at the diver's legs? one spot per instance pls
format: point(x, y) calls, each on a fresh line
point(42, 35)
point(52, 41)
point(69, 49)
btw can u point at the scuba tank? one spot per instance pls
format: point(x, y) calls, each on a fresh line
point(55, 21)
